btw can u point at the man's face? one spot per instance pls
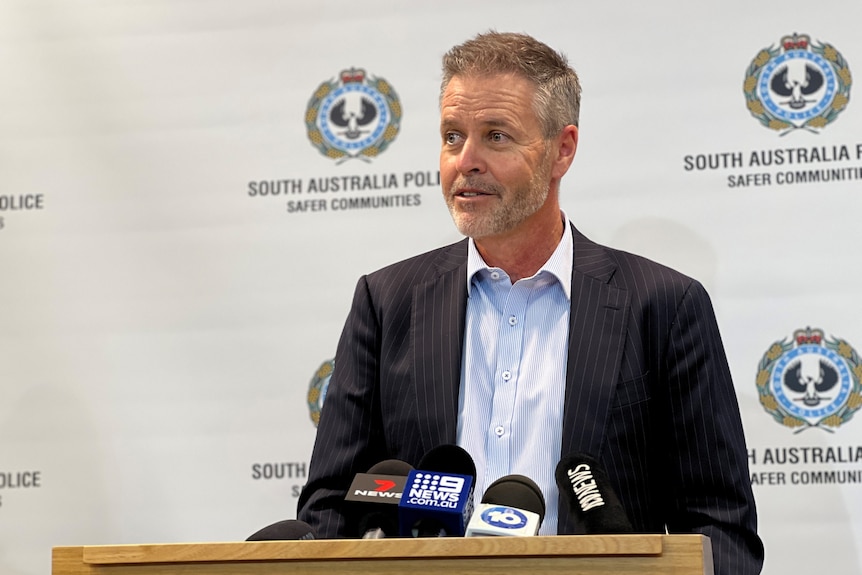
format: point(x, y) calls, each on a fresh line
point(495, 166)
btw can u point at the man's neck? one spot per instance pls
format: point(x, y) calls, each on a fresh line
point(522, 253)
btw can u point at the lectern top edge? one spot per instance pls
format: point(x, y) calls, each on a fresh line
point(566, 545)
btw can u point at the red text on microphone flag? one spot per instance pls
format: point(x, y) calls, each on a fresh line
point(384, 484)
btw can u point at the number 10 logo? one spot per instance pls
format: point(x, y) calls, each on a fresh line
point(504, 517)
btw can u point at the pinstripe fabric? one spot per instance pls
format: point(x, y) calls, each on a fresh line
point(648, 392)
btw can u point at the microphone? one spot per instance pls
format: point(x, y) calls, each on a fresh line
point(513, 506)
point(377, 493)
point(438, 497)
point(592, 501)
point(287, 530)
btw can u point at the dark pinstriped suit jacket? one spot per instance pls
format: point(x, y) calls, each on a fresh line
point(648, 392)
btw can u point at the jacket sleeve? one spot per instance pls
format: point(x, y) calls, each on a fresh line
point(348, 433)
point(710, 489)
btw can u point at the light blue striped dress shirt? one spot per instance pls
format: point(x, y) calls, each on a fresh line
point(510, 409)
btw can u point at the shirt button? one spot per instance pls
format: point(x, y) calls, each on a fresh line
point(499, 430)
point(507, 375)
point(495, 275)
point(513, 320)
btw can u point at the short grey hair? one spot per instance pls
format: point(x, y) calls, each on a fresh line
point(557, 101)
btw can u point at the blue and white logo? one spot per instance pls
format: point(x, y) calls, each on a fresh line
point(791, 99)
point(799, 84)
point(355, 117)
point(504, 517)
point(810, 380)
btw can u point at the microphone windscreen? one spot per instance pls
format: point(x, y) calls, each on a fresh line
point(287, 530)
point(391, 467)
point(592, 502)
point(512, 506)
point(516, 491)
point(448, 459)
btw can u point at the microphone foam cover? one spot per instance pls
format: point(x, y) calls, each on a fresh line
point(391, 467)
point(287, 530)
point(516, 491)
point(448, 459)
point(585, 485)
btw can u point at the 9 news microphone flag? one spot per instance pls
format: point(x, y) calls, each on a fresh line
point(438, 496)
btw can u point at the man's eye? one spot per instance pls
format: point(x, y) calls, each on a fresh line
point(498, 137)
point(452, 138)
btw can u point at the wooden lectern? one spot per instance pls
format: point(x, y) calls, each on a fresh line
point(581, 554)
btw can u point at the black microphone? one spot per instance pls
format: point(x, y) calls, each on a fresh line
point(513, 506)
point(287, 530)
point(438, 497)
point(378, 493)
point(592, 501)
point(450, 458)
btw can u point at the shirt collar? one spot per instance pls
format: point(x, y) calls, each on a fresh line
point(559, 264)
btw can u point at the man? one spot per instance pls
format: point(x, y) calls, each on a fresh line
point(528, 342)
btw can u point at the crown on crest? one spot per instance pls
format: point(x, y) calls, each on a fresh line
point(353, 76)
point(796, 42)
point(808, 335)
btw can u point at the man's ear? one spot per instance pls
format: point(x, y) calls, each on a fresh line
point(567, 145)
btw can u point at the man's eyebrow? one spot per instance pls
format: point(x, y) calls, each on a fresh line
point(495, 122)
point(491, 122)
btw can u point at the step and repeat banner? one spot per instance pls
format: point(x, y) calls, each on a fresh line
point(189, 191)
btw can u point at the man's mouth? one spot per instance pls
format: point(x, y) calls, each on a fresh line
point(471, 193)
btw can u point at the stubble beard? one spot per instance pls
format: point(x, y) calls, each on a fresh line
point(511, 207)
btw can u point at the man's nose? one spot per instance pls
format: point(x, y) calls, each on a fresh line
point(471, 158)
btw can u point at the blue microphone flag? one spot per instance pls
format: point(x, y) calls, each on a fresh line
point(435, 503)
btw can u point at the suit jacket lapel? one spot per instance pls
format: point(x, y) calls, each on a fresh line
point(439, 311)
point(597, 330)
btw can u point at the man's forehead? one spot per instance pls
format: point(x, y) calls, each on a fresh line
point(487, 96)
point(487, 90)
point(501, 78)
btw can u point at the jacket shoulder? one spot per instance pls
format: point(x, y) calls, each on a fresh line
point(420, 268)
point(643, 277)
point(639, 269)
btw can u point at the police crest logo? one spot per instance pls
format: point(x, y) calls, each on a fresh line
point(356, 116)
point(317, 389)
point(808, 381)
point(797, 85)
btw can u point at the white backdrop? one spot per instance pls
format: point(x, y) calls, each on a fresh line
point(161, 323)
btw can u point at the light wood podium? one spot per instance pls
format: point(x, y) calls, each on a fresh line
point(581, 554)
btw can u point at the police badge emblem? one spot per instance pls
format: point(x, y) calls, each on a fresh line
point(808, 381)
point(317, 389)
point(354, 117)
point(797, 85)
